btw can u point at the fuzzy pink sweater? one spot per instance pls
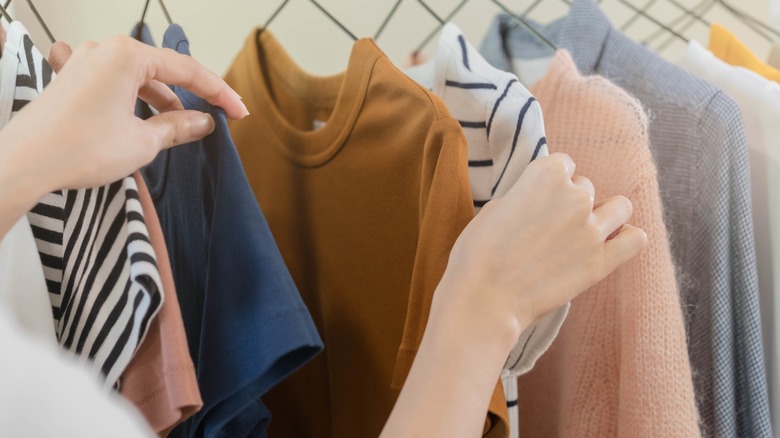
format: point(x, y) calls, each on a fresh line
point(620, 365)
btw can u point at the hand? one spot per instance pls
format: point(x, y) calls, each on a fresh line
point(522, 256)
point(535, 249)
point(81, 131)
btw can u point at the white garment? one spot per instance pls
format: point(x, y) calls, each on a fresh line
point(504, 128)
point(22, 287)
point(759, 101)
point(23, 291)
point(44, 394)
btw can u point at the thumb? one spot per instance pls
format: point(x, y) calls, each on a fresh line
point(177, 127)
point(626, 244)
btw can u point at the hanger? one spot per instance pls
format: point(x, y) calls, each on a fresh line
point(530, 8)
point(431, 11)
point(5, 12)
point(694, 16)
point(276, 12)
point(649, 17)
point(387, 19)
point(40, 20)
point(442, 22)
point(35, 12)
point(748, 19)
point(164, 10)
point(636, 16)
point(522, 23)
point(698, 11)
point(322, 9)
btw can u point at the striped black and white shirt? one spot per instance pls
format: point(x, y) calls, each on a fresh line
point(100, 269)
point(504, 128)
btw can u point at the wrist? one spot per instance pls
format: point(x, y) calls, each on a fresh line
point(470, 311)
point(22, 177)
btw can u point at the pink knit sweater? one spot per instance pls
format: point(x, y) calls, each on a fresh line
point(620, 365)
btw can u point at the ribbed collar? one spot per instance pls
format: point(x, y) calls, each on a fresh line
point(344, 92)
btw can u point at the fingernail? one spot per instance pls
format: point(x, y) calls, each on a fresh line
point(202, 125)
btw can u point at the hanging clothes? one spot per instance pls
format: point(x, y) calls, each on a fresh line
point(246, 325)
point(700, 151)
point(160, 379)
point(759, 100)
point(623, 347)
point(726, 46)
point(504, 130)
point(363, 176)
point(100, 270)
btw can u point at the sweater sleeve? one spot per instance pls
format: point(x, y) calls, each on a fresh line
point(446, 208)
point(653, 332)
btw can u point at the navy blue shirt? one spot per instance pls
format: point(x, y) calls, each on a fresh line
point(246, 324)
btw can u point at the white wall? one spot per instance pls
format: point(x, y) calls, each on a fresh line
point(217, 29)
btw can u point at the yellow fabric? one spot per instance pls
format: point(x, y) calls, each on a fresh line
point(726, 46)
point(363, 179)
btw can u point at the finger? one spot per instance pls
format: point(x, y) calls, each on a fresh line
point(628, 242)
point(160, 97)
point(173, 68)
point(564, 160)
point(173, 128)
point(585, 184)
point(613, 213)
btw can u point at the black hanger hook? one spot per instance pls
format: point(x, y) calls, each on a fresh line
point(5, 12)
point(525, 25)
point(334, 20)
point(165, 12)
point(40, 20)
point(276, 12)
point(447, 19)
point(143, 14)
point(387, 19)
point(431, 11)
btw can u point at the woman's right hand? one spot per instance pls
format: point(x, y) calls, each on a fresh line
point(524, 255)
point(535, 249)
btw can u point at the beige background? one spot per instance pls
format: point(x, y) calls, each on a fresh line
point(217, 29)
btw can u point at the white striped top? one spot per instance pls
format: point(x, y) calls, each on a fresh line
point(504, 129)
point(100, 268)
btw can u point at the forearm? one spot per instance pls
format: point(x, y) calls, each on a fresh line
point(449, 387)
point(21, 181)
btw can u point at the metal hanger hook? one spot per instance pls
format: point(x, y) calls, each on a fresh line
point(5, 12)
point(40, 20)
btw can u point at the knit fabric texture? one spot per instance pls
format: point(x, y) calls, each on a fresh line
point(619, 367)
point(698, 142)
